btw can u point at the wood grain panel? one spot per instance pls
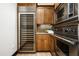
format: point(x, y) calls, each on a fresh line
point(48, 16)
point(40, 15)
point(45, 15)
point(42, 42)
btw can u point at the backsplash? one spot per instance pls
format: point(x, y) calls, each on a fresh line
point(44, 27)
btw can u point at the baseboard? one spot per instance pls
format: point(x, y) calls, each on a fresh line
point(53, 53)
point(15, 53)
point(42, 51)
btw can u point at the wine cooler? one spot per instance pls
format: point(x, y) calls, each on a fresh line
point(26, 33)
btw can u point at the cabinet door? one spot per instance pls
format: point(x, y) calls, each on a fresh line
point(52, 44)
point(39, 43)
point(46, 43)
point(45, 15)
point(48, 16)
point(40, 15)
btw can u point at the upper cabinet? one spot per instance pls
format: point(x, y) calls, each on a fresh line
point(40, 15)
point(48, 16)
point(45, 15)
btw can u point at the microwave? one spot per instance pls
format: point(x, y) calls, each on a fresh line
point(65, 11)
point(61, 12)
point(72, 9)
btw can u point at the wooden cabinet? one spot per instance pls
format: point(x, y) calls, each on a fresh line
point(48, 16)
point(45, 15)
point(39, 43)
point(40, 15)
point(46, 43)
point(52, 44)
point(42, 42)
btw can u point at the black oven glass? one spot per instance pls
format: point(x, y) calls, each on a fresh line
point(63, 47)
point(71, 7)
point(60, 13)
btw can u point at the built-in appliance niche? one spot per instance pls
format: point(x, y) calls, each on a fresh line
point(26, 32)
point(67, 38)
point(66, 11)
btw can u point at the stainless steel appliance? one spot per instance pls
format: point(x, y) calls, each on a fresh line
point(66, 11)
point(72, 9)
point(67, 35)
point(66, 29)
point(66, 48)
point(26, 28)
point(61, 12)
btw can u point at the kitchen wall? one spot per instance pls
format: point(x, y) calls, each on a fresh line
point(8, 29)
point(44, 27)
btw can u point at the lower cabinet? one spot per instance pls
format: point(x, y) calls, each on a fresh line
point(39, 43)
point(42, 42)
point(52, 44)
point(46, 43)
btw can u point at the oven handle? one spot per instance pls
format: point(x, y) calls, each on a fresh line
point(71, 42)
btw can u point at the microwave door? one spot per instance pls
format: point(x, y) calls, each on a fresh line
point(70, 9)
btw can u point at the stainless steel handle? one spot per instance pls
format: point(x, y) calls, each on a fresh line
point(71, 42)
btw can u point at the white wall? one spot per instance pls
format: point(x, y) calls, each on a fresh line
point(8, 29)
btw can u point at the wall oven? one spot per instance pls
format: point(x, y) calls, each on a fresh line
point(67, 29)
point(64, 48)
point(72, 9)
point(67, 36)
point(66, 11)
point(61, 12)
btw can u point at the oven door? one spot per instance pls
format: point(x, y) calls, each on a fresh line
point(61, 12)
point(72, 9)
point(62, 48)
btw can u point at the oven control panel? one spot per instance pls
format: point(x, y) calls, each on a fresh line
point(68, 31)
